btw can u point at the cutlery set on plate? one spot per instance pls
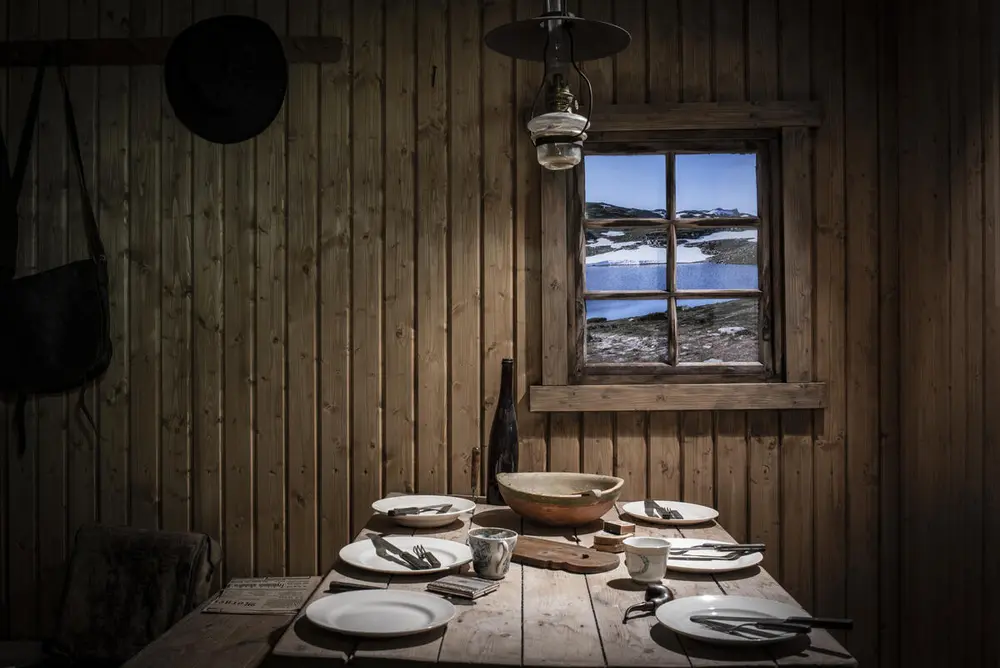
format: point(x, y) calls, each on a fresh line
point(762, 627)
point(723, 551)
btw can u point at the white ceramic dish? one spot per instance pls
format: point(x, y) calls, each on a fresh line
point(691, 513)
point(426, 520)
point(714, 566)
point(362, 554)
point(676, 614)
point(380, 613)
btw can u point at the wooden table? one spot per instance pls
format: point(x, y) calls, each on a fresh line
point(536, 618)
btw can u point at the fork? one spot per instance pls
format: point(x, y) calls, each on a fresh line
point(721, 547)
point(426, 556)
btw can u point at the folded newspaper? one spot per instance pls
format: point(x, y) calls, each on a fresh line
point(263, 596)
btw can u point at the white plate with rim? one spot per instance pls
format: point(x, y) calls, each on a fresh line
point(380, 613)
point(426, 520)
point(362, 554)
point(691, 513)
point(676, 614)
point(714, 566)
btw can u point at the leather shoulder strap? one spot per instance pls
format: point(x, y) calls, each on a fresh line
point(10, 186)
point(94, 243)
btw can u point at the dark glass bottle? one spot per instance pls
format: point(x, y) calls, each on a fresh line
point(503, 436)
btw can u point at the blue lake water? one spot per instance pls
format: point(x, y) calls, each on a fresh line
point(690, 276)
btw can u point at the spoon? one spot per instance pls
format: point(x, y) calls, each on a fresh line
point(656, 595)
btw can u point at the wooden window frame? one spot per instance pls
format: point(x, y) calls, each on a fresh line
point(790, 384)
point(769, 366)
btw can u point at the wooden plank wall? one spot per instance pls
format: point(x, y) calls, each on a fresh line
point(311, 319)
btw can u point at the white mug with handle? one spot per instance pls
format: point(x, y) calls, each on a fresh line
point(492, 549)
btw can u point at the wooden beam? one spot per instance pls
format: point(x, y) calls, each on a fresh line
point(706, 116)
point(147, 51)
point(681, 397)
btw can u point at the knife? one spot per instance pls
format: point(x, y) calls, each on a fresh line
point(812, 622)
point(723, 547)
point(411, 560)
point(416, 510)
point(757, 628)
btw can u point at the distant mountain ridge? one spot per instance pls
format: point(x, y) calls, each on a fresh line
point(605, 211)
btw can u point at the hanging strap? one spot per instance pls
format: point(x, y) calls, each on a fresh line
point(10, 186)
point(94, 244)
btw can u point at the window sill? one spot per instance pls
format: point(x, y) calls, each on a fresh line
point(679, 397)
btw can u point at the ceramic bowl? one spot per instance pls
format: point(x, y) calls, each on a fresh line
point(559, 499)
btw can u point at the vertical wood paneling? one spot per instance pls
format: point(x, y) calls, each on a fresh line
point(270, 410)
point(144, 276)
point(763, 456)
point(301, 295)
point(113, 179)
point(532, 427)
point(208, 253)
point(81, 469)
point(22, 556)
point(598, 428)
point(926, 488)
point(400, 244)
point(990, 55)
point(730, 65)
point(500, 131)
point(796, 426)
point(889, 338)
point(862, 354)
point(366, 274)
point(335, 298)
point(6, 409)
point(52, 415)
point(698, 447)
point(389, 232)
point(176, 302)
point(465, 142)
point(630, 88)
point(240, 296)
point(830, 305)
point(432, 247)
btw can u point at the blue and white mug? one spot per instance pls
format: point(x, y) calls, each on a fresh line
point(646, 558)
point(492, 548)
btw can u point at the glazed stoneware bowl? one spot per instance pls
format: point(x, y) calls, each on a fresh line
point(559, 499)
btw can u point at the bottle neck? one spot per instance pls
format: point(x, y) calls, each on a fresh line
point(507, 381)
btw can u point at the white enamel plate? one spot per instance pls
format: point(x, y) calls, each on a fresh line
point(676, 563)
point(690, 513)
point(426, 520)
point(676, 616)
point(380, 613)
point(362, 554)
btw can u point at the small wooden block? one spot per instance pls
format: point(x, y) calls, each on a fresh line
point(618, 527)
point(608, 539)
point(610, 548)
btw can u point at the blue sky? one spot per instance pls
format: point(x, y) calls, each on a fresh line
point(704, 181)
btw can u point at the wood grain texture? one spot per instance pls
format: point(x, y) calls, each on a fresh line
point(532, 429)
point(368, 224)
point(176, 303)
point(464, 230)
point(400, 196)
point(334, 297)
point(52, 182)
point(679, 396)
point(897, 128)
point(302, 300)
point(240, 375)
point(432, 247)
point(499, 134)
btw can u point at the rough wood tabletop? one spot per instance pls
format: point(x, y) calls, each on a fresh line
point(537, 617)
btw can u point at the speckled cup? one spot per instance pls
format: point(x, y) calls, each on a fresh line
point(492, 549)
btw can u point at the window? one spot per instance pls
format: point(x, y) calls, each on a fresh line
point(675, 276)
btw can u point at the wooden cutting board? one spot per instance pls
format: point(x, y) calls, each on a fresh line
point(562, 556)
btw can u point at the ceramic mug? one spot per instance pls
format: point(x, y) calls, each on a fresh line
point(646, 558)
point(492, 549)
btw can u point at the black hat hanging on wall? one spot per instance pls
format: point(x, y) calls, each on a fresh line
point(226, 78)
